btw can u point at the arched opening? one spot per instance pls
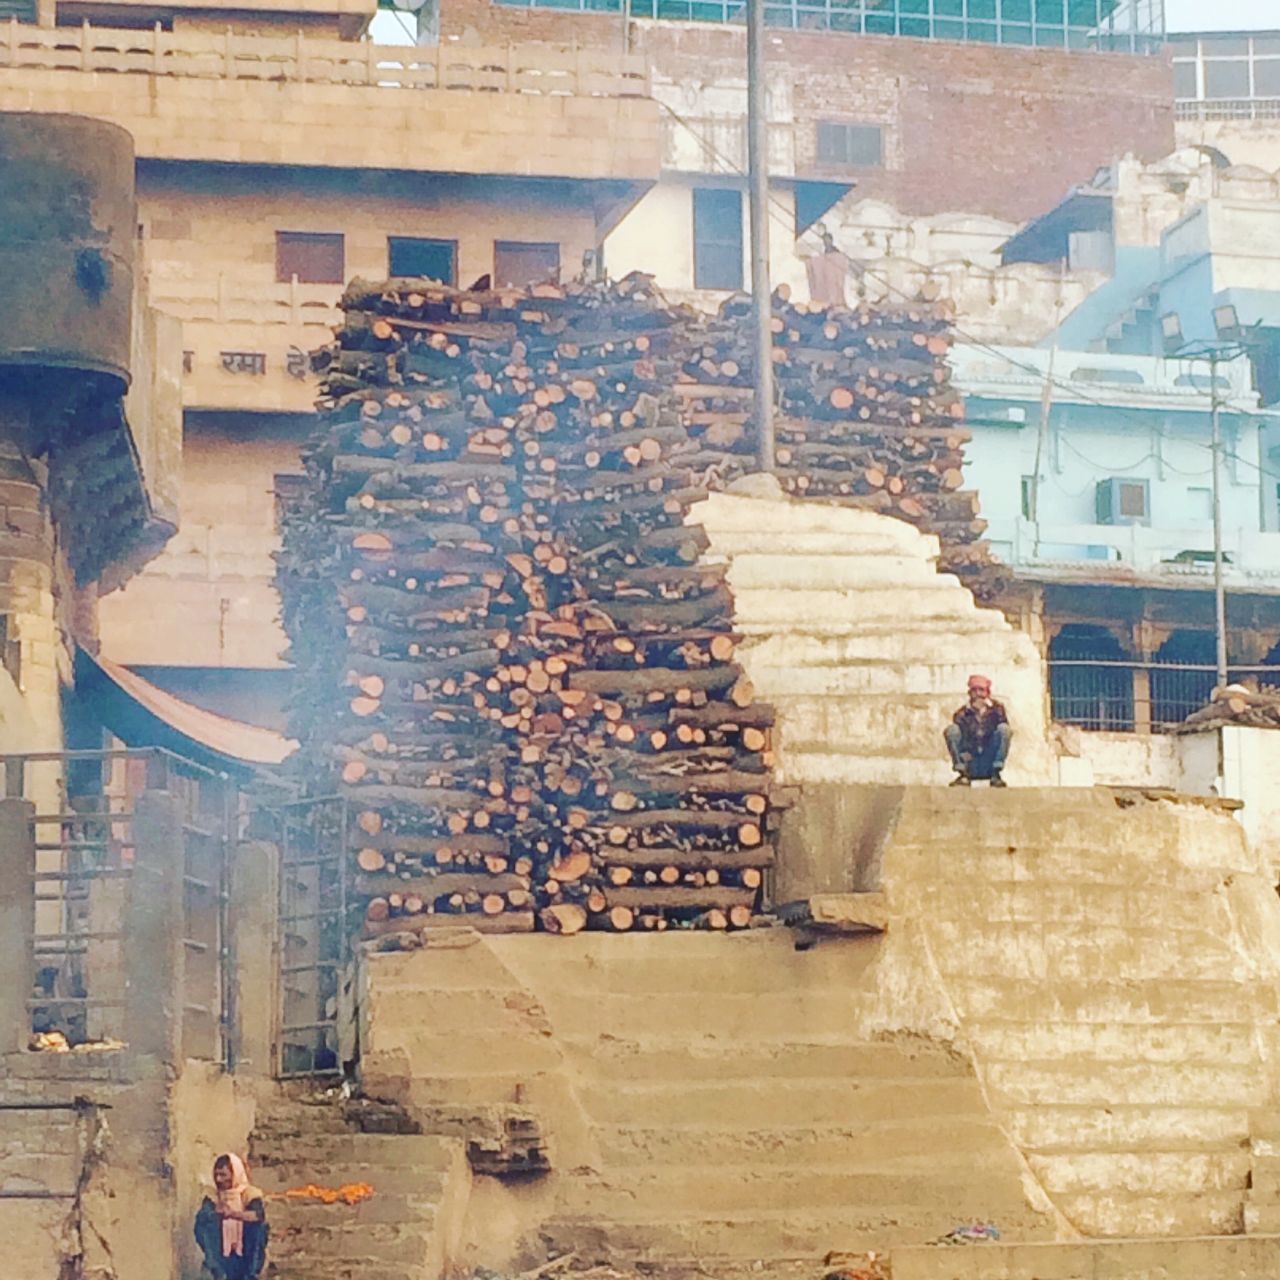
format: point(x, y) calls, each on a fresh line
point(1183, 675)
point(1090, 679)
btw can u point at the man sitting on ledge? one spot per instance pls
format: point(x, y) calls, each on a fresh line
point(978, 737)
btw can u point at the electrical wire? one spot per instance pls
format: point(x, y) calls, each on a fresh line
point(785, 219)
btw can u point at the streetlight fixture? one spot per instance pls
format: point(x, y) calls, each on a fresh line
point(1231, 343)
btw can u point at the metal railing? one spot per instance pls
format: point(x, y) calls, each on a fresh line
point(129, 877)
point(313, 943)
point(1127, 697)
point(1227, 109)
point(523, 69)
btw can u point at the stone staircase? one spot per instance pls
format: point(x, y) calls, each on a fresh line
point(1114, 970)
point(861, 645)
point(712, 1099)
point(1068, 1028)
point(409, 1229)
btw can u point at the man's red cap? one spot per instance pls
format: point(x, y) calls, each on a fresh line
point(980, 682)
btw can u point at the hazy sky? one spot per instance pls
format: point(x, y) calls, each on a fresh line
point(1222, 15)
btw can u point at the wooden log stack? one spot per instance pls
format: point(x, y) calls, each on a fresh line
point(508, 655)
point(1247, 704)
point(866, 415)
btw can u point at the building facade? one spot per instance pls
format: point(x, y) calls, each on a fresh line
point(276, 160)
point(1095, 473)
point(1228, 94)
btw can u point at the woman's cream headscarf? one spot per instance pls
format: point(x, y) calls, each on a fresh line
point(235, 1199)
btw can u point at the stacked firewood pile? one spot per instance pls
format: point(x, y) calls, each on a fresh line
point(867, 416)
point(508, 654)
point(1247, 704)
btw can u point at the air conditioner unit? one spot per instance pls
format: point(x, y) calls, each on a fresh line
point(1121, 501)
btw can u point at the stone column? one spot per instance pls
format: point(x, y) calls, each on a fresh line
point(17, 919)
point(153, 930)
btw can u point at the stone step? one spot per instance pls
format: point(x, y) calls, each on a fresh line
point(941, 601)
point(1205, 1258)
point(791, 543)
point(783, 1233)
point(729, 517)
point(306, 1266)
point(1031, 869)
point(870, 642)
point(679, 1061)
point(1149, 1173)
point(857, 764)
point(406, 1244)
point(737, 1188)
point(885, 677)
point(1055, 1128)
point(1091, 1083)
point(833, 571)
point(1116, 1000)
point(423, 1153)
point(1077, 905)
point(384, 1207)
point(1262, 1219)
point(1205, 1213)
point(957, 1141)
point(1166, 1043)
point(742, 1103)
point(1070, 953)
point(771, 1018)
point(395, 1183)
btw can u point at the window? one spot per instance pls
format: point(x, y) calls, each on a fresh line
point(1028, 497)
point(314, 257)
point(518, 263)
point(861, 145)
point(1200, 503)
point(717, 238)
point(1184, 81)
point(1226, 79)
point(427, 259)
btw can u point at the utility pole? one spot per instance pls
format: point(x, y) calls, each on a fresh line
point(1219, 591)
point(761, 290)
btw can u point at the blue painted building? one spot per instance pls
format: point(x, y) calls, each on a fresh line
point(1094, 471)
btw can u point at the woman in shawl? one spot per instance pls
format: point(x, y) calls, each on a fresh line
point(231, 1227)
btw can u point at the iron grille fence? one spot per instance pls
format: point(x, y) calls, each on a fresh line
point(1128, 696)
point(313, 945)
point(90, 867)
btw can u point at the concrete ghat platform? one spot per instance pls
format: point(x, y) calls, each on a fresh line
point(1196, 1258)
point(1069, 1027)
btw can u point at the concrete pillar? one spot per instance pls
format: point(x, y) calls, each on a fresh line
point(1141, 700)
point(254, 890)
point(17, 919)
point(154, 928)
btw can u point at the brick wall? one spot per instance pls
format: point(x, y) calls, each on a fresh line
point(1001, 131)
